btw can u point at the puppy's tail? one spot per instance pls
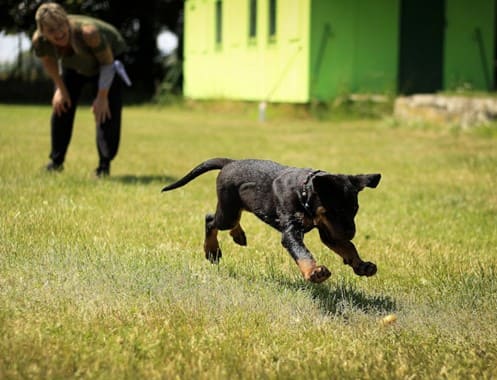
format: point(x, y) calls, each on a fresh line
point(212, 164)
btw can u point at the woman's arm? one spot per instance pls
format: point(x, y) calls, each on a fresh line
point(103, 53)
point(61, 100)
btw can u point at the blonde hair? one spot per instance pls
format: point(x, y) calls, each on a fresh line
point(50, 15)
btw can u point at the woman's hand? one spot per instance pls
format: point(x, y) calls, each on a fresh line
point(101, 109)
point(61, 101)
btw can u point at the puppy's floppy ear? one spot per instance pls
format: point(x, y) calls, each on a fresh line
point(361, 181)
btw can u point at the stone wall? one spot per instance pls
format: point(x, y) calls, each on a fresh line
point(456, 110)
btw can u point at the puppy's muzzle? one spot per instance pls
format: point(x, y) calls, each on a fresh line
point(331, 229)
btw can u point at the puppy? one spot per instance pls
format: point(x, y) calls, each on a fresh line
point(293, 201)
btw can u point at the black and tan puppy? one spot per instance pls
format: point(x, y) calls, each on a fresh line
point(292, 200)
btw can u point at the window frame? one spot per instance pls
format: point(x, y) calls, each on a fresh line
point(252, 19)
point(272, 19)
point(218, 33)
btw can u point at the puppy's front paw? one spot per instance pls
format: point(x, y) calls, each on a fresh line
point(366, 268)
point(319, 274)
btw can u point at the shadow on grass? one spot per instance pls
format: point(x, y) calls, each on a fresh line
point(339, 297)
point(131, 179)
point(342, 298)
point(337, 300)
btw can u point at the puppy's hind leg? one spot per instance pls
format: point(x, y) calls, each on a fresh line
point(238, 235)
point(211, 245)
point(229, 220)
point(227, 217)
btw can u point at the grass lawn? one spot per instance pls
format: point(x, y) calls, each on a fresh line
point(107, 279)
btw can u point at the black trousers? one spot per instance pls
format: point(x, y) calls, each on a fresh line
point(108, 133)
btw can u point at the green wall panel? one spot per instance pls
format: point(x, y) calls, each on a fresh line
point(354, 47)
point(469, 44)
point(244, 68)
point(324, 49)
point(376, 49)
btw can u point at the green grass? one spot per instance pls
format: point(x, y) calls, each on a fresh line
point(107, 279)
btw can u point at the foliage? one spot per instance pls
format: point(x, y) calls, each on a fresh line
point(353, 106)
point(106, 279)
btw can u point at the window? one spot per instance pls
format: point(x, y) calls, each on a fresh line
point(252, 18)
point(272, 18)
point(219, 22)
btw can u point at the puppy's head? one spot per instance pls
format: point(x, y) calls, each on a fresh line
point(339, 204)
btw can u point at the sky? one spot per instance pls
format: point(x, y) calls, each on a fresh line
point(9, 49)
point(9, 46)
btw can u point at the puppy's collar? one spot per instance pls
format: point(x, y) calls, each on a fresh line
point(306, 193)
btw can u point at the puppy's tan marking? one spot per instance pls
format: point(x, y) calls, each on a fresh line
point(313, 272)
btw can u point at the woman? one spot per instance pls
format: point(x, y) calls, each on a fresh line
point(76, 50)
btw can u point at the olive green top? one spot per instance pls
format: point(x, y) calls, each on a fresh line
point(82, 58)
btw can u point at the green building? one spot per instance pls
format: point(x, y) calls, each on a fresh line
point(297, 51)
